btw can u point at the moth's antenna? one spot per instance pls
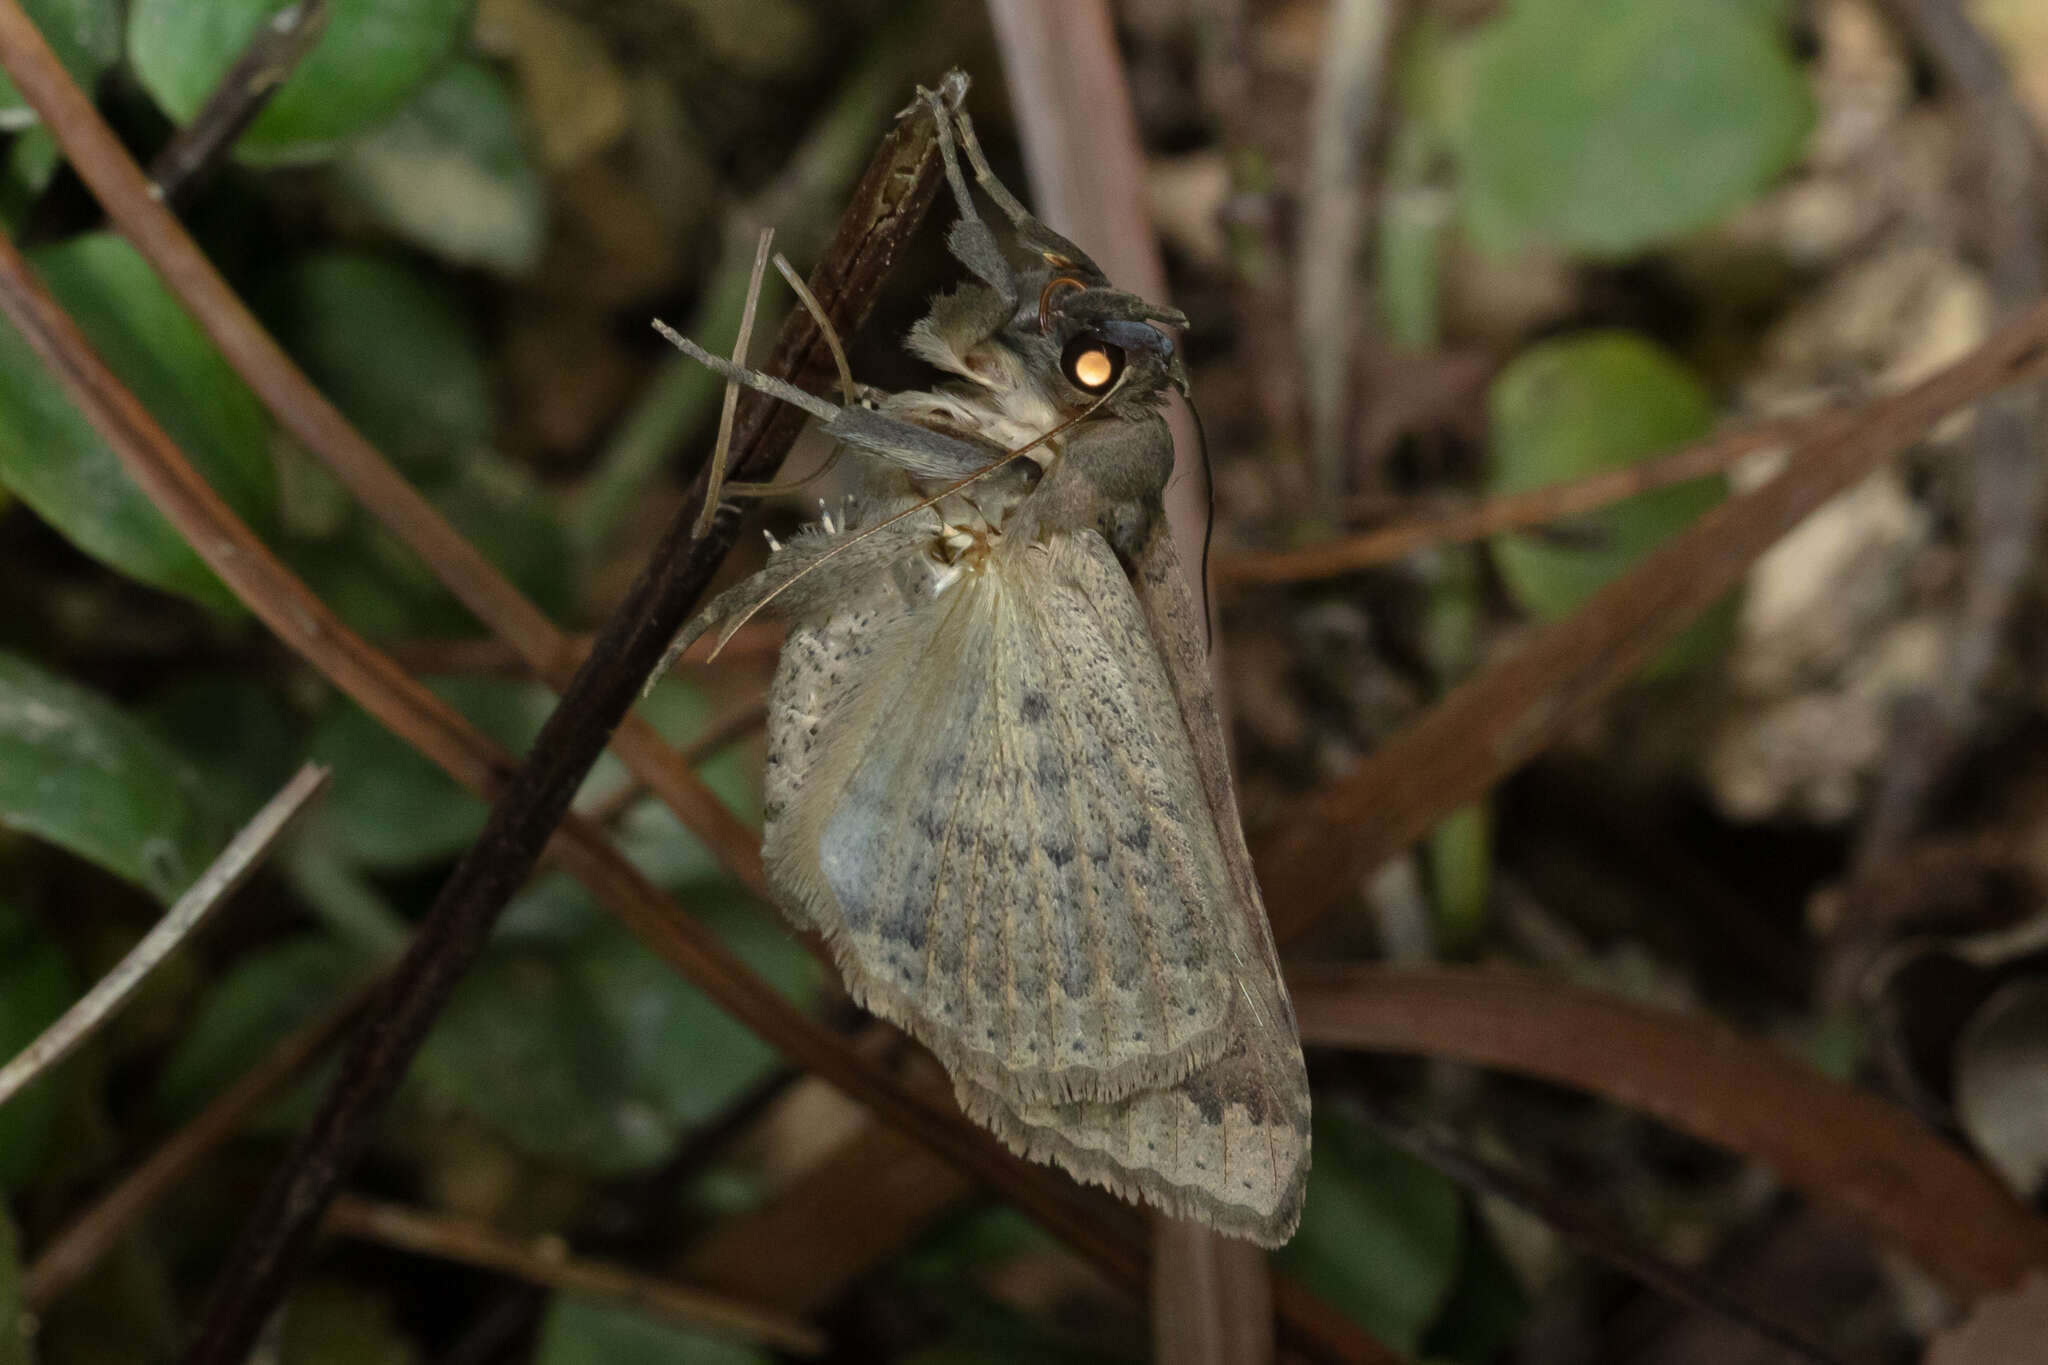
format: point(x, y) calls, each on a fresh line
point(825, 327)
point(722, 451)
point(977, 476)
point(1208, 520)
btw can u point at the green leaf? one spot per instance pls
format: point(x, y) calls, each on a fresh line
point(53, 459)
point(451, 173)
point(586, 1048)
point(395, 351)
point(81, 773)
point(1381, 1235)
point(85, 35)
point(1608, 125)
point(1576, 406)
point(261, 999)
point(392, 809)
point(580, 1331)
point(35, 987)
point(373, 55)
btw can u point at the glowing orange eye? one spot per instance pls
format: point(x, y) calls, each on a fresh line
point(1091, 364)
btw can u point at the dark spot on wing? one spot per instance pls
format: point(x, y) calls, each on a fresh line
point(1035, 707)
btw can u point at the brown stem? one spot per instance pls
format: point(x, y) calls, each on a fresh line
point(1836, 1143)
point(131, 203)
point(1491, 724)
point(472, 1243)
point(265, 64)
point(1447, 525)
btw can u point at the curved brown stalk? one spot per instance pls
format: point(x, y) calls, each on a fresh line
point(134, 207)
point(1914, 1191)
point(1448, 525)
point(1513, 709)
point(428, 1233)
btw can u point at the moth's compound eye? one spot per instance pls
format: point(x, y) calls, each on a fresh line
point(1091, 364)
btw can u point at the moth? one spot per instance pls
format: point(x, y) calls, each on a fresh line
point(996, 776)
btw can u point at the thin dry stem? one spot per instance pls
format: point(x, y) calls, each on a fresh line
point(721, 449)
point(241, 94)
point(1448, 525)
point(546, 1263)
point(222, 878)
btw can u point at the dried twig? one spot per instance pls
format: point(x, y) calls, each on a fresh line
point(132, 204)
point(222, 878)
point(1453, 1156)
point(1345, 119)
point(271, 56)
point(472, 1243)
point(1489, 725)
point(721, 449)
point(1838, 1144)
point(1451, 523)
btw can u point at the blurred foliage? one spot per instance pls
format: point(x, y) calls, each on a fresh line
point(76, 770)
point(373, 56)
point(1608, 125)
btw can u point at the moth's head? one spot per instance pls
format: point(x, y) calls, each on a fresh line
point(1097, 339)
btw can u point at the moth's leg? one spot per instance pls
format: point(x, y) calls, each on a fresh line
point(753, 379)
point(1109, 480)
point(969, 239)
point(1030, 230)
point(919, 450)
point(930, 454)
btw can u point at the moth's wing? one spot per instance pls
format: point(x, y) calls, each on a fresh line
point(1229, 1145)
point(1002, 832)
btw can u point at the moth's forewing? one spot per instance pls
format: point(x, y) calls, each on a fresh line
point(1229, 1145)
point(984, 800)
